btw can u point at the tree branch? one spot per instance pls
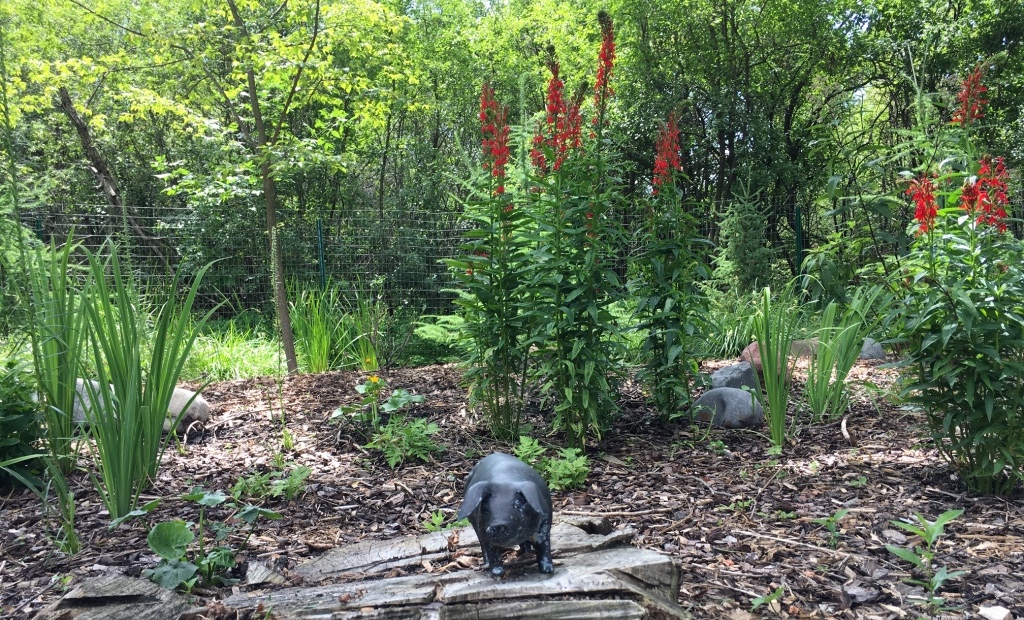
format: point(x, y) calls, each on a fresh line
point(298, 74)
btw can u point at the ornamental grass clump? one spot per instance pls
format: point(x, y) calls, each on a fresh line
point(961, 293)
point(128, 402)
point(774, 329)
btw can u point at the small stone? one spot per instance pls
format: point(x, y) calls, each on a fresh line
point(995, 613)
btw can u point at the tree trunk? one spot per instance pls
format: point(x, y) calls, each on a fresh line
point(260, 146)
point(101, 171)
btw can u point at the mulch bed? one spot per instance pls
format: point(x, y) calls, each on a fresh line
point(740, 521)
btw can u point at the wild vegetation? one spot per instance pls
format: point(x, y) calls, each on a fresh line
point(562, 197)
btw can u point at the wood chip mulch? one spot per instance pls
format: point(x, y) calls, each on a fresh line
point(739, 520)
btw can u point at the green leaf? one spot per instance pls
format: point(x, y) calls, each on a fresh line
point(906, 554)
point(170, 539)
point(171, 573)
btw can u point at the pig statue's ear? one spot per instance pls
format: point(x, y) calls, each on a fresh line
point(474, 495)
point(533, 497)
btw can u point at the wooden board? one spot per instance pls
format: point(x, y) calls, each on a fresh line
point(597, 576)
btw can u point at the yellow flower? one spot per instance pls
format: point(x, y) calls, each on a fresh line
point(374, 379)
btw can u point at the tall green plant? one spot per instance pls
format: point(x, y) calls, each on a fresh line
point(745, 257)
point(960, 291)
point(58, 327)
point(773, 325)
point(670, 305)
point(840, 339)
point(492, 272)
point(319, 327)
point(128, 403)
point(571, 280)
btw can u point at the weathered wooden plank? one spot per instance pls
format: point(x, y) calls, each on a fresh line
point(593, 580)
point(116, 597)
point(547, 610)
point(381, 556)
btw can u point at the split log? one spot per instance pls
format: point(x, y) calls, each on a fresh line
point(597, 577)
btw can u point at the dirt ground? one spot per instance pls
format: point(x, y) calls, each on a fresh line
point(739, 520)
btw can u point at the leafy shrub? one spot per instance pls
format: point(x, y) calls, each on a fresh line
point(745, 256)
point(20, 428)
point(401, 440)
point(960, 291)
point(568, 471)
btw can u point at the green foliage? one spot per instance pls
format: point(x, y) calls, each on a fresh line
point(961, 294)
point(228, 350)
point(745, 258)
point(670, 306)
point(20, 430)
point(129, 401)
point(58, 325)
point(368, 413)
point(320, 333)
point(767, 599)
point(831, 523)
point(273, 484)
point(773, 325)
point(401, 439)
point(729, 323)
point(529, 451)
point(923, 558)
point(185, 559)
point(568, 470)
point(840, 339)
point(436, 522)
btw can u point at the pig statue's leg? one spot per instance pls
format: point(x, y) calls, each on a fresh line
point(492, 559)
point(542, 543)
point(525, 547)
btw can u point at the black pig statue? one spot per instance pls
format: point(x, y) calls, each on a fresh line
point(508, 504)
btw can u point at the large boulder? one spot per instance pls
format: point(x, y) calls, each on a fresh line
point(198, 411)
point(728, 407)
point(872, 350)
point(736, 376)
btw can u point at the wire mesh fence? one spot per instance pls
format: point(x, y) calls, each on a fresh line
point(398, 254)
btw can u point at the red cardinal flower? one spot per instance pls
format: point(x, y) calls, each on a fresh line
point(494, 126)
point(922, 192)
point(606, 61)
point(985, 196)
point(971, 99)
point(667, 158)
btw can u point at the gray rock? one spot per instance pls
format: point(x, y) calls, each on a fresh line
point(735, 376)
point(728, 407)
point(198, 411)
point(872, 350)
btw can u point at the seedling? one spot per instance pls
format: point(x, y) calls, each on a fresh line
point(184, 564)
point(436, 522)
point(768, 598)
point(831, 523)
point(922, 558)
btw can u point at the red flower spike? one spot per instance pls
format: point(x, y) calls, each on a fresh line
point(985, 196)
point(922, 192)
point(495, 129)
point(971, 99)
point(667, 158)
point(605, 64)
